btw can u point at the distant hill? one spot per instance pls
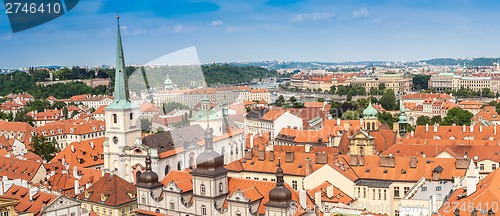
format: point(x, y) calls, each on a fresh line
point(276, 65)
point(468, 62)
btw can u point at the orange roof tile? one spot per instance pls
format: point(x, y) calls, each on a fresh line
point(34, 206)
point(82, 154)
point(117, 190)
point(183, 179)
point(19, 169)
point(338, 195)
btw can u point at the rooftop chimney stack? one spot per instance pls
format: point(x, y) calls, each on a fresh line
point(271, 156)
point(338, 121)
point(307, 148)
point(426, 127)
point(77, 187)
point(33, 191)
point(472, 128)
point(329, 191)
point(261, 154)
point(463, 128)
point(317, 198)
point(436, 128)
point(303, 199)
point(289, 157)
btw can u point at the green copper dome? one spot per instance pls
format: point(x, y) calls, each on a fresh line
point(370, 111)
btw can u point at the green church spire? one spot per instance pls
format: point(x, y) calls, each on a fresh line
point(121, 91)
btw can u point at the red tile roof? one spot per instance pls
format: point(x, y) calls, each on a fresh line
point(338, 195)
point(25, 204)
point(82, 154)
point(117, 190)
point(183, 179)
point(486, 196)
point(19, 169)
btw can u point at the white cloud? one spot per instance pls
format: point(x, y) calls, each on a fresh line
point(362, 12)
point(217, 23)
point(312, 17)
point(181, 28)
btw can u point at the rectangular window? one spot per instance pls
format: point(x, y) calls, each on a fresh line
point(359, 192)
point(493, 166)
point(396, 192)
point(396, 213)
point(264, 179)
point(255, 178)
point(385, 194)
point(379, 194)
point(373, 194)
point(406, 190)
point(294, 184)
point(364, 192)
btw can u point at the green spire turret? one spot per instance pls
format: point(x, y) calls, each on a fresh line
point(121, 91)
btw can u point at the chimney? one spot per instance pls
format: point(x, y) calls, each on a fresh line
point(251, 141)
point(75, 172)
point(248, 155)
point(335, 156)
point(338, 121)
point(303, 199)
point(361, 122)
point(317, 199)
point(495, 129)
point(307, 148)
point(353, 160)
point(436, 127)
point(92, 145)
point(33, 191)
point(387, 161)
point(471, 128)
point(462, 163)
point(308, 166)
point(472, 179)
point(480, 128)
point(321, 158)
point(463, 128)
point(261, 154)
point(413, 162)
point(73, 148)
point(395, 126)
point(271, 156)
point(412, 133)
point(361, 160)
point(329, 191)
point(426, 127)
point(77, 187)
point(346, 126)
point(289, 157)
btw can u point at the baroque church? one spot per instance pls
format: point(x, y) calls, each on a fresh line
point(125, 149)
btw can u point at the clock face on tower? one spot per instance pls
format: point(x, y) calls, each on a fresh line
point(115, 140)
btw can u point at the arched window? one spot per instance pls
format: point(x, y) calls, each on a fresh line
point(203, 210)
point(236, 149)
point(137, 176)
point(221, 187)
point(131, 116)
point(115, 119)
point(373, 126)
point(202, 189)
point(179, 165)
point(167, 169)
point(192, 162)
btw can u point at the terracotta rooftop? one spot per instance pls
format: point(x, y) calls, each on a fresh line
point(82, 154)
point(338, 195)
point(115, 191)
point(19, 169)
point(25, 204)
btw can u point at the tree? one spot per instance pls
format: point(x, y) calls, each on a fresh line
point(160, 130)
point(388, 100)
point(373, 91)
point(43, 147)
point(65, 112)
point(387, 118)
point(145, 125)
point(280, 101)
point(457, 116)
point(293, 99)
point(423, 120)
point(381, 87)
point(351, 115)
point(362, 103)
point(321, 100)
point(436, 120)
point(333, 89)
point(421, 81)
point(349, 96)
point(170, 106)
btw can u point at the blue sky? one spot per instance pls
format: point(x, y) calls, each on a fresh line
point(233, 30)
